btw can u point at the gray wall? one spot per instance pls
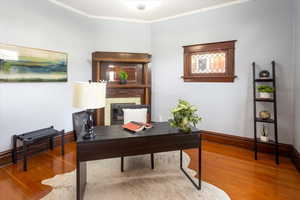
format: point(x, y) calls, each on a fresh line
point(121, 36)
point(263, 34)
point(297, 75)
point(29, 106)
point(40, 24)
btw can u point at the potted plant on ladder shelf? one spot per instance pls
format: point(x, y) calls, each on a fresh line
point(265, 91)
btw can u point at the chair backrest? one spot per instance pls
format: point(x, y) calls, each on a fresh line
point(79, 121)
point(140, 107)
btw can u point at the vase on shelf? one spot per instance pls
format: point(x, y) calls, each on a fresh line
point(265, 95)
point(264, 137)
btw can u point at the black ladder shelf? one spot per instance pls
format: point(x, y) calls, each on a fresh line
point(259, 120)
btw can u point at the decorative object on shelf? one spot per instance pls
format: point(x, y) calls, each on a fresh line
point(264, 74)
point(265, 114)
point(264, 137)
point(89, 96)
point(265, 91)
point(123, 76)
point(184, 115)
point(23, 64)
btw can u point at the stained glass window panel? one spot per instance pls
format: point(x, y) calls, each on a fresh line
point(209, 63)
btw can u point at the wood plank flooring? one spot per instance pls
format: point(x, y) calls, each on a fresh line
point(229, 168)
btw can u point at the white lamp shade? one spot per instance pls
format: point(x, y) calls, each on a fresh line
point(89, 95)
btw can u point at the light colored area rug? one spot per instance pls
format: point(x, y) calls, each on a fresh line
point(138, 182)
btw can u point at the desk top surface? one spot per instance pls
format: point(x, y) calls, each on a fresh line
point(115, 132)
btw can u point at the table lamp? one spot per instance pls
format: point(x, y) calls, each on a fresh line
point(89, 96)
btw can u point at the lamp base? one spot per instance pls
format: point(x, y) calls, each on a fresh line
point(90, 135)
point(90, 126)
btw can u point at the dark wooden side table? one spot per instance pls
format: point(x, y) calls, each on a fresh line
point(33, 137)
point(114, 141)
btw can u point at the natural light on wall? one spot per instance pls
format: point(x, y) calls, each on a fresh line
point(143, 5)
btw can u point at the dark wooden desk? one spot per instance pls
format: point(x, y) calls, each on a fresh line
point(113, 141)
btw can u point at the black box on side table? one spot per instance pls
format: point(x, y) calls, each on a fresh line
point(33, 137)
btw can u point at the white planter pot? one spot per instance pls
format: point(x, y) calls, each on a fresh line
point(265, 95)
point(264, 138)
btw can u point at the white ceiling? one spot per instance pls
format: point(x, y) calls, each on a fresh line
point(119, 9)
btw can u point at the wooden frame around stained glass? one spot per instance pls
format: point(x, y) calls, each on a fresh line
point(217, 64)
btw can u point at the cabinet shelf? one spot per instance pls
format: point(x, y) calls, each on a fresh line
point(127, 86)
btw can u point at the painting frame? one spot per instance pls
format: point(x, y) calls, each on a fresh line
point(26, 64)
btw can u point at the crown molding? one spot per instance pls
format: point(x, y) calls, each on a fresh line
point(80, 12)
point(200, 10)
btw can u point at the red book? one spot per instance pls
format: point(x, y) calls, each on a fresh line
point(134, 126)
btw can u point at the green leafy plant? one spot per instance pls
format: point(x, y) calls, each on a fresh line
point(123, 75)
point(265, 89)
point(184, 115)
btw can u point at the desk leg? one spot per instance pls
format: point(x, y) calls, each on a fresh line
point(122, 164)
point(14, 152)
point(152, 161)
point(51, 140)
point(63, 142)
point(25, 157)
point(81, 179)
point(199, 169)
point(199, 165)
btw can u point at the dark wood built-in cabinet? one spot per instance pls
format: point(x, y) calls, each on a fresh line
point(107, 65)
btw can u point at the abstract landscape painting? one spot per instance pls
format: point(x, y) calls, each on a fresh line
point(22, 64)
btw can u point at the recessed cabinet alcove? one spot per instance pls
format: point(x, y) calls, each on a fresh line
point(107, 65)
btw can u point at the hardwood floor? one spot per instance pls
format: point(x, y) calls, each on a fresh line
point(236, 172)
point(229, 168)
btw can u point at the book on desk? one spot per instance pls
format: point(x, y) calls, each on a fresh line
point(136, 126)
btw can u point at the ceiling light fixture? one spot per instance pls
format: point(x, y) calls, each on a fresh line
point(143, 5)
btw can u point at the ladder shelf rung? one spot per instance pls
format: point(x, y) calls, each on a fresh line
point(269, 142)
point(264, 80)
point(264, 99)
point(265, 120)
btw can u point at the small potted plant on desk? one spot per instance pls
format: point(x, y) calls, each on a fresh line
point(123, 76)
point(183, 116)
point(265, 91)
